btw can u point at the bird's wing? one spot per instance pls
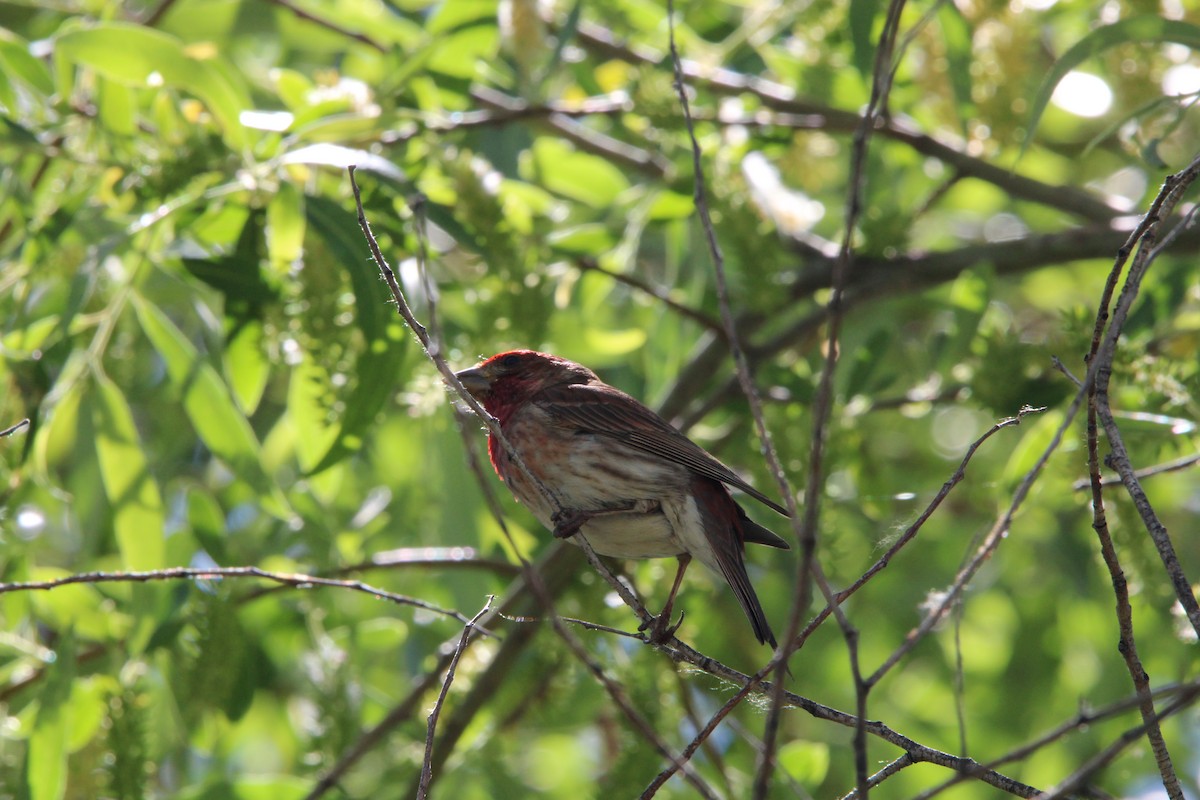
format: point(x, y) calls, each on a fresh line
point(601, 409)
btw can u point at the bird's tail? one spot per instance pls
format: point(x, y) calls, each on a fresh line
point(724, 525)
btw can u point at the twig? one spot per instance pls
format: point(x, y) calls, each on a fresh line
point(1184, 462)
point(1186, 692)
point(891, 768)
point(414, 557)
point(780, 97)
point(1061, 367)
point(369, 740)
point(9, 431)
point(881, 84)
point(1088, 768)
point(330, 25)
point(841, 597)
point(427, 762)
point(658, 293)
point(748, 389)
point(1164, 205)
point(299, 581)
point(585, 138)
point(919, 752)
point(911, 531)
point(1103, 349)
point(875, 277)
point(155, 16)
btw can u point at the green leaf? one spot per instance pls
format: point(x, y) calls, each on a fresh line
point(309, 406)
point(957, 38)
point(246, 363)
point(47, 759)
point(614, 342)
point(117, 107)
point(55, 442)
point(580, 176)
point(448, 17)
point(806, 762)
point(285, 227)
point(207, 523)
point(862, 15)
point(209, 405)
point(8, 95)
point(143, 57)
point(17, 62)
point(376, 368)
point(671, 205)
point(125, 52)
point(589, 239)
point(132, 492)
point(1145, 29)
point(220, 675)
point(459, 54)
point(1035, 438)
point(867, 370)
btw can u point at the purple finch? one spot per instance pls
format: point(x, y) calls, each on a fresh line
point(618, 473)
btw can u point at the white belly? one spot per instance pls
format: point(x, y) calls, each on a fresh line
point(632, 536)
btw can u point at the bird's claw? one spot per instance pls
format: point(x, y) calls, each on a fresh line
point(661, 629)
point(568, 522)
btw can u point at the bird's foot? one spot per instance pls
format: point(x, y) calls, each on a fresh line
point(568, 522)
point(661, 629)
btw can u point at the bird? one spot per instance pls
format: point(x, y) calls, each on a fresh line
point(618, 473)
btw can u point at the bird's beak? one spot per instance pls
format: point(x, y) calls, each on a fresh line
point(474, 381)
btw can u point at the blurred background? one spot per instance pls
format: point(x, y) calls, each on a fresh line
point(214, 376)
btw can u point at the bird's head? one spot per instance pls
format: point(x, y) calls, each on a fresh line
point(506, 380)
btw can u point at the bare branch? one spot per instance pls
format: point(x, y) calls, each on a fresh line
point(297, 580)
point(330, 25)
point(783, 98)
point(427, 762)
point(588, 139)
point(1175, 465)
point(9, 431)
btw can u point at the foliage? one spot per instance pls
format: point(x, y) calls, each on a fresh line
point(214, 377)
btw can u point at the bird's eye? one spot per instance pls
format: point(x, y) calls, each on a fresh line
point(510, 360)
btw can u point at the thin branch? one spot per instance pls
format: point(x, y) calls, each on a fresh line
point(375, 736)
point(504, 109)
point(9, 431)
point(991, 540)
point(160, 11)
point(914, 528)
point(1185, 692)
point(431, 727)
point(330, 25)
point(585, 138)
point(909, 534)
point(658, 293)
point(875, 277)
point(919, 752)
point(822, 406)
point(297, 580)
point(751, 393)
point(1101, 355)
point(409, 557)
point(780, 97)
point(1076, 779)
point(1163, 207)
point(893, 767)
point(1184, 462)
